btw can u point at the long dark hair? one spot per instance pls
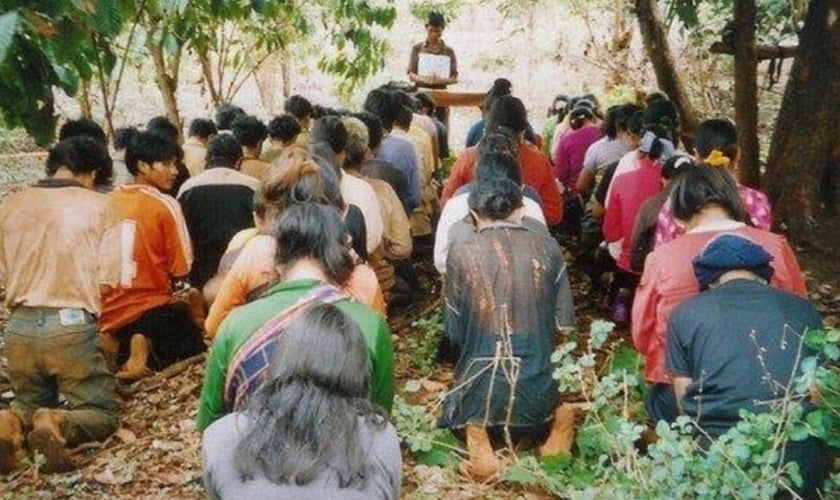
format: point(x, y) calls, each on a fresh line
point(306, 415)
point(315, 231)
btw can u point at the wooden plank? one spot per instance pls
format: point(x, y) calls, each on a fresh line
point(762, 52)
point(447, 98)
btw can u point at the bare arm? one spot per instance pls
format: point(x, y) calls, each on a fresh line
point(680, 386)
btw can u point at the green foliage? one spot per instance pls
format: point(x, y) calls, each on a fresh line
point(777, 19)
point(449, 8)
point(430, 445)
point(746, 462)
point(422, 351)
point(51, 44)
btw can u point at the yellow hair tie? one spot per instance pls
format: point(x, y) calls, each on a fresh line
point(717, 159)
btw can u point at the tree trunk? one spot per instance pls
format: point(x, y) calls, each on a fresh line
point(85, 108)
point(746, 92)
point(166, 83)
point(806, 127)
point(203, 55)
point(658, 50)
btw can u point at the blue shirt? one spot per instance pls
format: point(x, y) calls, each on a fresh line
point(400, 153)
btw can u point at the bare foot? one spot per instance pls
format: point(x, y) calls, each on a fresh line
point(11, 441)
point(483, 472)
point(137, 365)
point(562, 435)
point(55, 455)
point(482, 465)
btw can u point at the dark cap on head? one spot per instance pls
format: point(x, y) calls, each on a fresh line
point(436, 19)
point(730, 252)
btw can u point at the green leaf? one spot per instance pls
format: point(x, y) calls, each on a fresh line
point(831, 351)
point(8, 28)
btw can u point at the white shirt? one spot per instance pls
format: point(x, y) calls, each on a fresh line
point(357, 192)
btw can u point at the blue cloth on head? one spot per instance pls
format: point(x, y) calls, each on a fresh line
point(729, 252)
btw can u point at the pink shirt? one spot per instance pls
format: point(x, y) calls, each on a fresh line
point(570, 153)
point(668, 280)
point(756, 204)
point(629, 192)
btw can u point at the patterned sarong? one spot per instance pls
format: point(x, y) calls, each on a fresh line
point(247, 370)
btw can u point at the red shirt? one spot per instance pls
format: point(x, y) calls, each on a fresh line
point(669, 279)
point(536, 172)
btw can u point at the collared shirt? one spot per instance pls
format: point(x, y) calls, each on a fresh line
point(55, 247)
point(442, 50)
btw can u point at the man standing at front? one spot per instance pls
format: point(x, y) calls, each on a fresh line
point(432, 64)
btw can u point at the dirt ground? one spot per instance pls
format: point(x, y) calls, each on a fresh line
point(157, 454)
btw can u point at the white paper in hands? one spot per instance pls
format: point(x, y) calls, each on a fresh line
point(433, 65)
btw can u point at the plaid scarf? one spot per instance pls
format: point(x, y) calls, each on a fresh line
point(247, 370)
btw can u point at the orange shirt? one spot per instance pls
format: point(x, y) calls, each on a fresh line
point(154, 247)
point(255, 266)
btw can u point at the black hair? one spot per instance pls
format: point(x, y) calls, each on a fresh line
point(676, 166)
point(498, 166)
point(624, 117)
point(636, 123)
point(226, 114)
point(654, 97)
point(305, 417)
point(702, 186)
point(436, 19)
point(320, 111)
point(384, 104)
point(284, 127)
point(315, 231)
point(150, 146)
point(164, 125)
point(202, 127)
point(404, 118)
point(425, 100)
point(298, 106)
point(609, 127)
point(500, 140)
point(661, 118)
point(80, 154)
point(123, 136)
point(249, 130)
point(507, 111)
point(579, 116)
point(716, 134)
point(82, 126)
point(495, 199)
point(560, 111)
point(374, 126)
point(501, 86)
point(223, 150)
point(330, 130)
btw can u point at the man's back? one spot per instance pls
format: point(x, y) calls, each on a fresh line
point(400, 153)
point(736, 358)
point(155, 247)
point(50, 242)
point(217, 204)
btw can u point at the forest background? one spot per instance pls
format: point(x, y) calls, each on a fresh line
point(123, 62)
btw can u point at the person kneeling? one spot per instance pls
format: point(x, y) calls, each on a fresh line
point(309, 430)
point(507, 291)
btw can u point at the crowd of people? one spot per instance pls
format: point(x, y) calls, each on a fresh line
point(283, 246)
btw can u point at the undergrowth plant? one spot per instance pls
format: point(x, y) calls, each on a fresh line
point(422, 350)
point(604, 373)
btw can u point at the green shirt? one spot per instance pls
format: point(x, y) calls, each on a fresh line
point(246, 320)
